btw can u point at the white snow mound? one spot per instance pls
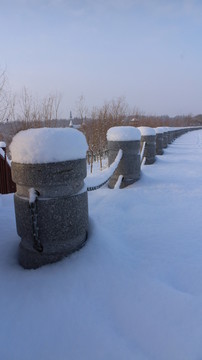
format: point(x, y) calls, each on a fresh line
point(47, 145)
point(2, 144)
point(123, 133)
point(159, 130)
point(147, 131)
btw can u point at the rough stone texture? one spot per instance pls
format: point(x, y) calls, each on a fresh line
point(159, 144)
point(62, 208)
point(170, 137)
point(150, 148)
point(129, 165)
point(165, 140)
point(51, 179)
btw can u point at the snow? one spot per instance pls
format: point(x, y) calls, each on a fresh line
point(159, 130)
point(32, 195)
point(2, 144)
point(166, 129)
point(142, 151)
point(47, 145)
point(123, 133)
point(147, 131)
point(95, 180)
point(118, 183)
point(2, 153)
point(97, 166)
point(134, 291)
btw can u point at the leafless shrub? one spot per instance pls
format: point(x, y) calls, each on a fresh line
point(7, 99)
point(112, 113)
point(81, 108)
point(38, 113)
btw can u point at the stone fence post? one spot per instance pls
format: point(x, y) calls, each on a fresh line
point(159, 141)
point(126, 138)
point(170, 136)
point(148, 135)
point(165, 137)
point(51, 206)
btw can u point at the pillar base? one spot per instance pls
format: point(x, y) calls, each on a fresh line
point(29, 258)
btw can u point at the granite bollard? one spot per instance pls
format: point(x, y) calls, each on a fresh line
point(170, 136)
point(126, 138)
point(148, 135)
point(165, 137)
point(159, 141)
point(51, 204)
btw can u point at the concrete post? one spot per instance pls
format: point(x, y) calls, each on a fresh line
point(60, 211)
point(126, 138)
point(165, 137)
point(159, 141)
point(148, 135)
point(170, 135)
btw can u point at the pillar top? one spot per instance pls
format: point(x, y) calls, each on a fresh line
point(123, 133)
point(147, 131)
point(159, 130)
point(48, 145)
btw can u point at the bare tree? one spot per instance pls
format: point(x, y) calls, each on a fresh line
point(81, 108)
point(37, 113)
point(25, 106)
point(112, 113)
point(7, 100)
point(50, 109)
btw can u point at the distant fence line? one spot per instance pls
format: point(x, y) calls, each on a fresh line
point(51, 202)
point(149, 148)
point(152, 143)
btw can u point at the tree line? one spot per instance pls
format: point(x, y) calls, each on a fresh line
point(26, 111)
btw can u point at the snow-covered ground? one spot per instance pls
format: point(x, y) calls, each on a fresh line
point(134, 292)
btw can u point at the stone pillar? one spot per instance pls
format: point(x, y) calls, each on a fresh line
point(126, 138)
point(174, 134)
point(159, 141)
point(148, 135)
point(170, 136)
point(60, 211)
point(165, 138)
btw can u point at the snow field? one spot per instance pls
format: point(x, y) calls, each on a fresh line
point(134, 291)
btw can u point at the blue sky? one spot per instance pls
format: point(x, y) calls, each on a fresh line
point(148, 51)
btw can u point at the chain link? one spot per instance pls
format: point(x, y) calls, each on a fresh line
point(35, 228)
point(91, 188)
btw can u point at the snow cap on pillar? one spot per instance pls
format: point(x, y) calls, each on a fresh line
point(123, 133)
point(126, 139)
point(147, 131)
point(48, 145)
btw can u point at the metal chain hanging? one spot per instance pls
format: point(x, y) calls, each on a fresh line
point(34, 218)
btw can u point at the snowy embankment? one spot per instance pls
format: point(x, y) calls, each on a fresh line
point(133, 292)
